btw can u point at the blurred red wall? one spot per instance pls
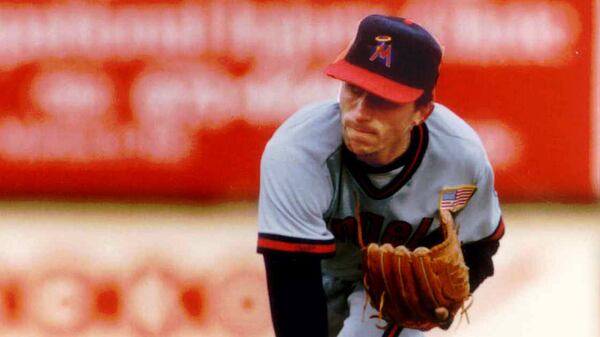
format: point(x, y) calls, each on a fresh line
point(176, 99)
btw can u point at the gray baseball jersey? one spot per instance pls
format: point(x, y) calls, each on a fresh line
point(314, 191)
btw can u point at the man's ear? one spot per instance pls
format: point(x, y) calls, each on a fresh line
point(424, 112)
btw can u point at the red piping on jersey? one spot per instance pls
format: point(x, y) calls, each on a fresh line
point(393, 332)
point(326, 248)
point(498, 233)
point(417, 153)
point(419, 234)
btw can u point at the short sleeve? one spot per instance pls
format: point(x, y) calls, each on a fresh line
point(295, 192)
point(481, 219)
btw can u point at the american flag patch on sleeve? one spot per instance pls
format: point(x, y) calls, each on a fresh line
point(454, 199)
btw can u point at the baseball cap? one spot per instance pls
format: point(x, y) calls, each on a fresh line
point(391, 57)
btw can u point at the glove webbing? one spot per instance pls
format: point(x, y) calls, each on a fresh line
point(361, 244)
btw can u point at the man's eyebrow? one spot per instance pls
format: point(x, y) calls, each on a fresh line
point(380, 99)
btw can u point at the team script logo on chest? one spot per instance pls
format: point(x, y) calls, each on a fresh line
point(370, 227)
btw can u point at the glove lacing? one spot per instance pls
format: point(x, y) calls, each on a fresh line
point(464, 311)
point(361, 244)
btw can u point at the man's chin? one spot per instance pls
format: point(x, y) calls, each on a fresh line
point(360, 149)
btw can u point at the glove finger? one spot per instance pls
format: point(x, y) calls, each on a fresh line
point(456, 286)
point(374, 274)
point(412, 291)
point(402, 256)
point(396, 306)
point(452, 273)
point(426, 281)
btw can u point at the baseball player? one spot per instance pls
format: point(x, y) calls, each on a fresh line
point(378, 165)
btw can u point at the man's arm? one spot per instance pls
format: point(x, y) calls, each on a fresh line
point(478, 257)
point(296, 295)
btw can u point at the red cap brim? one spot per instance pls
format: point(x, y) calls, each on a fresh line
point(373, 83)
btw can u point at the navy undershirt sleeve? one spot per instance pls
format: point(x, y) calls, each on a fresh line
point(478, 257)
point(296, 295)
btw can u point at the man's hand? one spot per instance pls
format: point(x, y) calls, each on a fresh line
point(444, 318)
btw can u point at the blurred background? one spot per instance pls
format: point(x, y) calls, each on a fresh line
point(131, 133)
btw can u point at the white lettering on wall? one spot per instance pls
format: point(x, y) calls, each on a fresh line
point(186, 49)
point(495, 33)
point(472, 32)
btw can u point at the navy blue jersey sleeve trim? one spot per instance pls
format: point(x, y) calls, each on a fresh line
point(498, 233)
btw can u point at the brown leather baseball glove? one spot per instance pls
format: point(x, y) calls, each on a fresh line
point(419, 289)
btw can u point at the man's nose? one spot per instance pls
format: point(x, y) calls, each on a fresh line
point(362, 110)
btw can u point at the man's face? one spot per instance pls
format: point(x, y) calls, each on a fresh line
point(373, 127)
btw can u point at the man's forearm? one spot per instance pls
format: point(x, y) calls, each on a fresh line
point(296, 295)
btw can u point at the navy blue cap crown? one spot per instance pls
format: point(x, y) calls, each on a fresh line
point(391, 57)
point(397, 49)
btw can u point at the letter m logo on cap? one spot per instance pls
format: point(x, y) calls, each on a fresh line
point(383, 50)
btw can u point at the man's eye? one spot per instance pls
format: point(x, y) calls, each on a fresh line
point(355, 90)
point(382, 102)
